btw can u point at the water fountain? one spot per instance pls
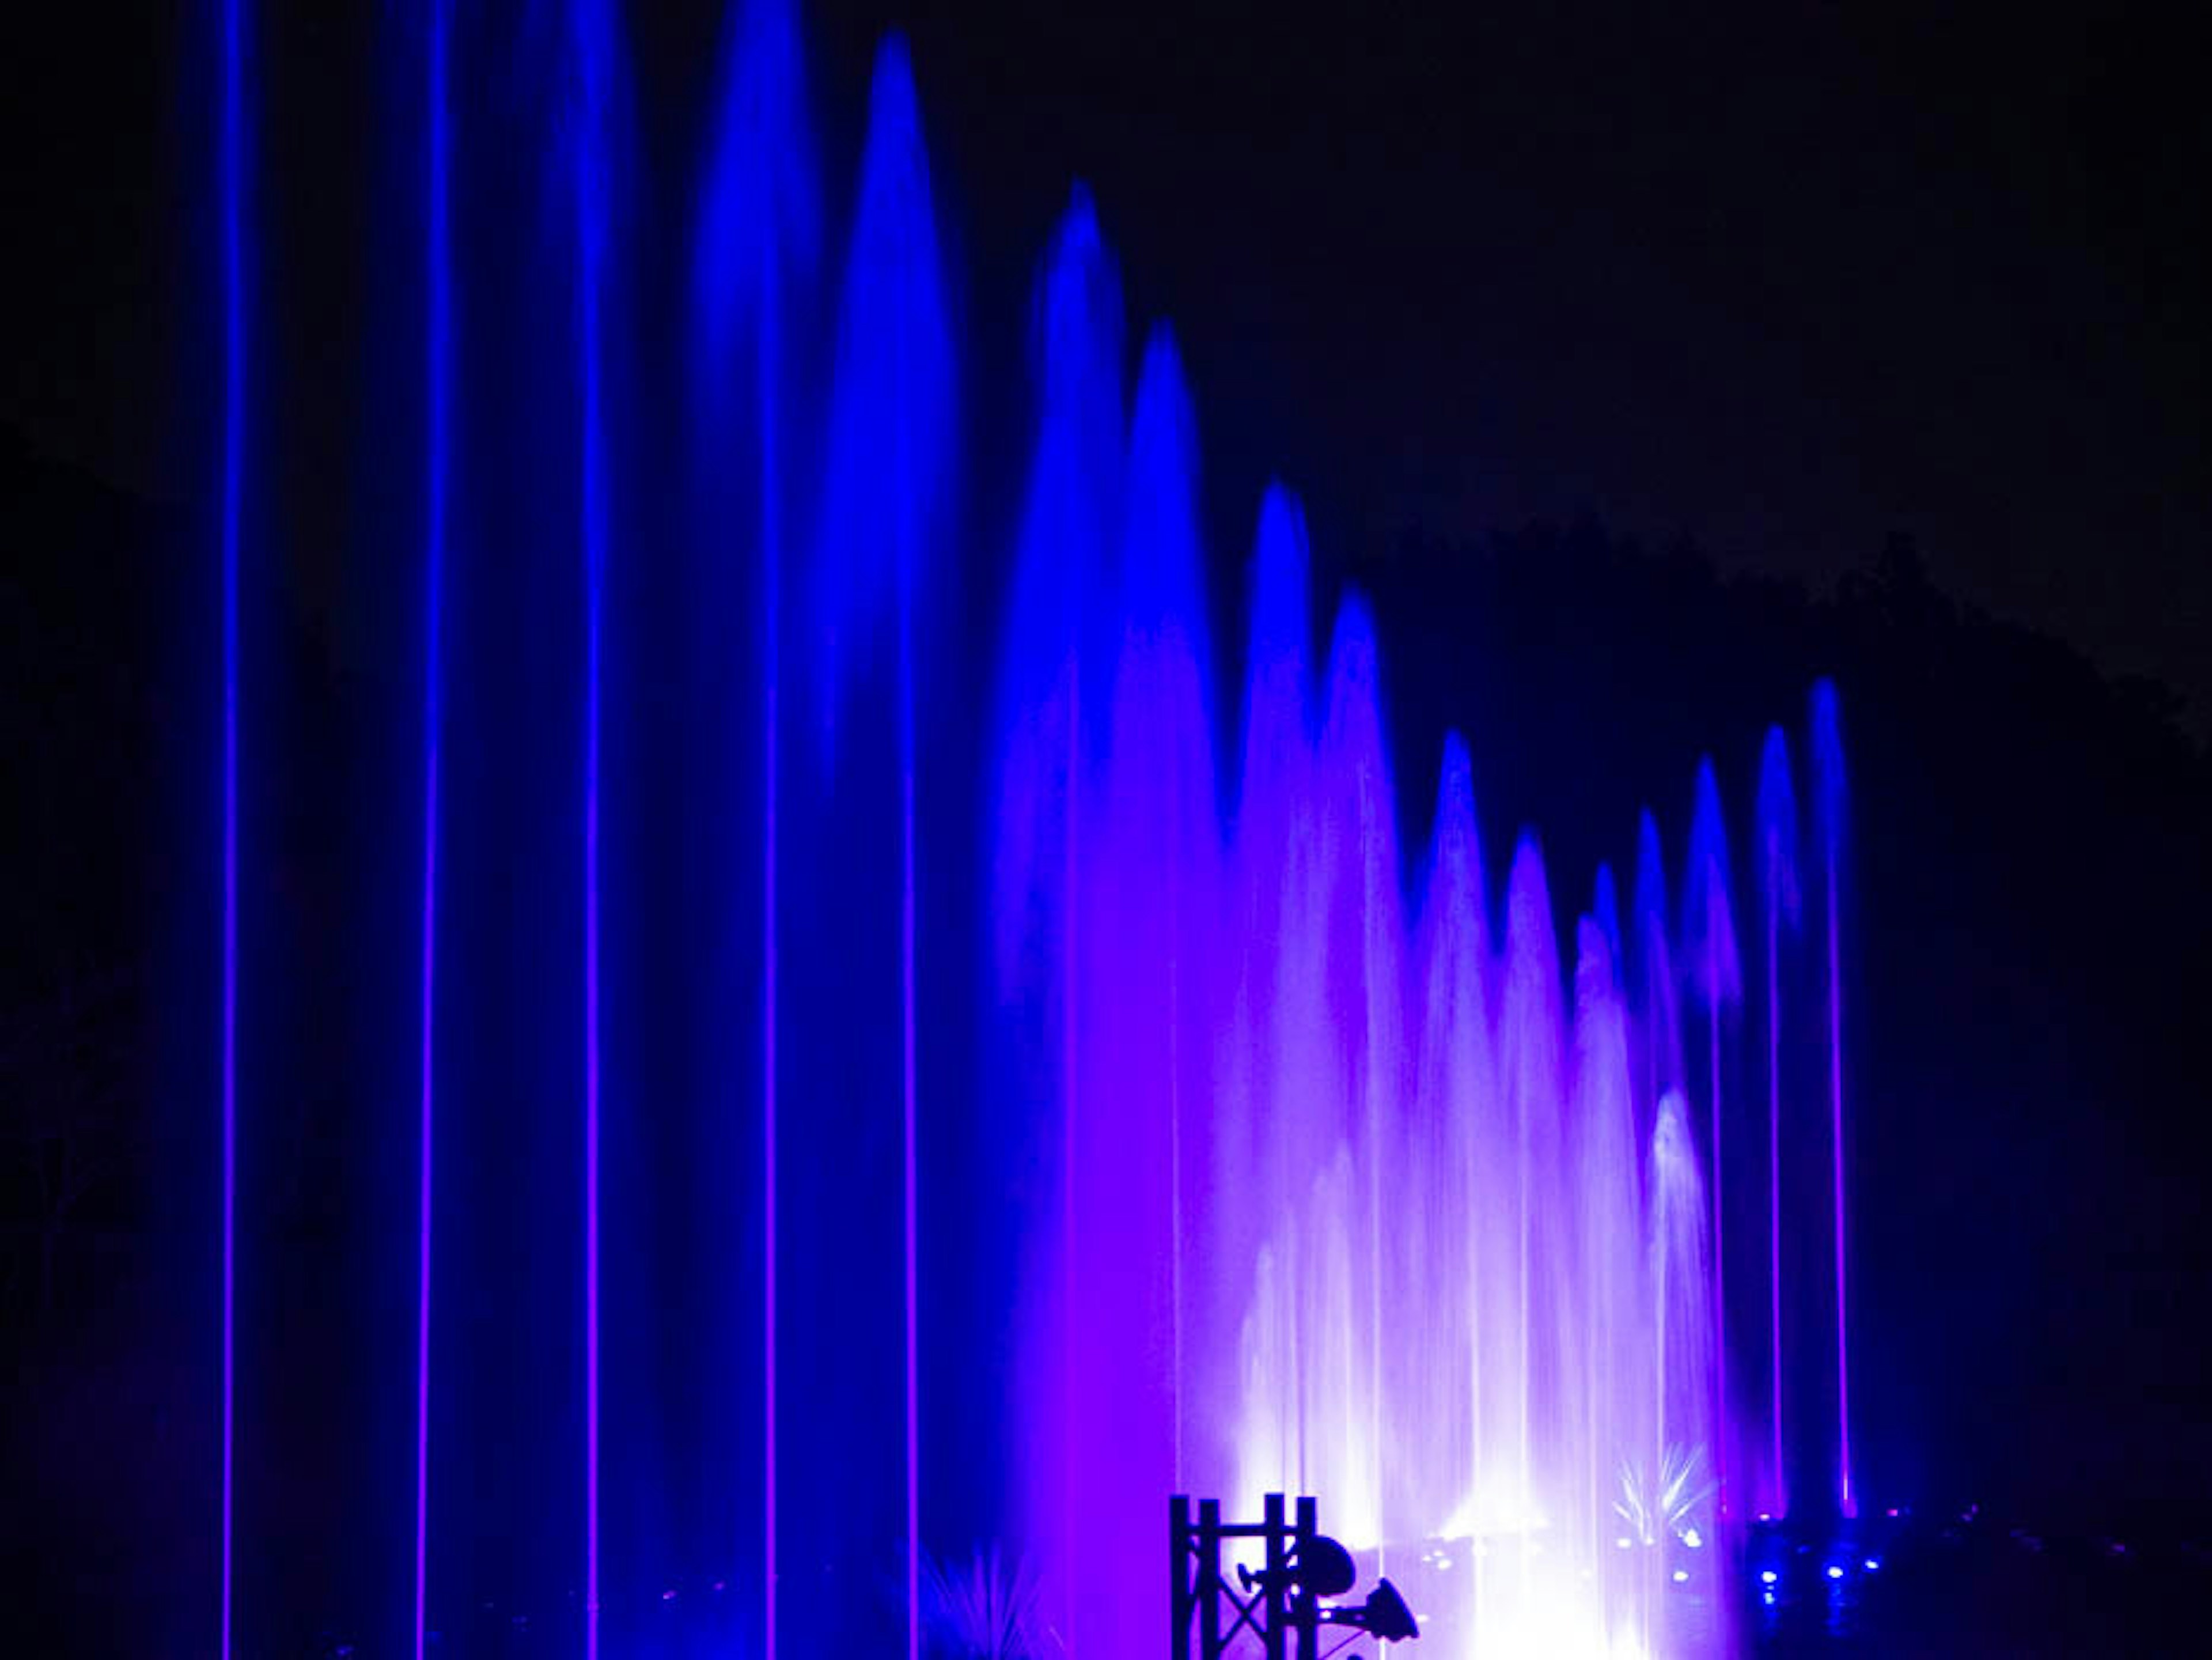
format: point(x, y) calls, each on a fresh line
point(1112, 1096)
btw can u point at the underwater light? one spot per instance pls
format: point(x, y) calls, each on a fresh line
point(1768, 1576)
point(1835, 1570)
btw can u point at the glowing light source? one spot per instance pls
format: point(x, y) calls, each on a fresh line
point(593, 47)
point(436, 370)
point(233, 164)
point(1828, 759)
point(760, 217)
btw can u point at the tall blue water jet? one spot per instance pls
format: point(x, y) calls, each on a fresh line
point(1684, 1364)
point(1365, 940)
point(1273, 776)
point(1605, 911)
point(888, 468)
point(1608, 1257)
point(1067, 529)
point(1278, 697)
point(759, 231)
point(438, 381)
point(1778, 867)
point(1458, 1093)
point(1531, 1068)
point(1684, 1360)
point(593, 45)
point(1154, 841)
point(1266, 1014)
point(1068, 526)
point(231, 164)
point(1655, 975)
point(1709, 940)
point(1831, 810)
point(889, 465)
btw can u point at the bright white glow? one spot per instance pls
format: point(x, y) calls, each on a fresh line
point(1681, 1575)
point(1693, 1538)
point(1768, 1576)
point(1873, 1564)
point(1835, 1570)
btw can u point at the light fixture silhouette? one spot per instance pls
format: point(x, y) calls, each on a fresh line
point(1318, 1565)
point(1282, 1605)
point(1384, 1615)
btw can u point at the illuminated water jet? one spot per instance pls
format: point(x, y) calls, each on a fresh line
point(1251, 1130)
point(436, 464)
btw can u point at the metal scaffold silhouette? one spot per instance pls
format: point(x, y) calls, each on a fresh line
point(1279, 1603)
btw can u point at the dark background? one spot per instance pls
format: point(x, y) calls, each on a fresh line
point(1641, 363)
point(1784, 277)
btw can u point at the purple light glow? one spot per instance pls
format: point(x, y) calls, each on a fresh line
point(772, 673)
point(910, 1185)
point(233, 164)
point(438, 370)
point(1040, 848)
point(1777, 852)
point(1831, 806)
point(1777, 1485)
point(1845, 1498)
point(1711, 928)
point(759, 227)
point(1720, 1258)
point(889, 447)
point(910, 1179)
point(593, 47)
point(592, 1135)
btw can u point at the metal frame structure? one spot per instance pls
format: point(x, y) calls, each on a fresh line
point(1285, 1618)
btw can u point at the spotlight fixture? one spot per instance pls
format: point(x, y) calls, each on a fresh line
point(1384, 1615)
point(1318, 1566)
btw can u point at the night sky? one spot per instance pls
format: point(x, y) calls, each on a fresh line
point(1783, 278)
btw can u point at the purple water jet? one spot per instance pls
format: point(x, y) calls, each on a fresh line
point(438, 385)
point(1830, 808)
point(888, 474)
point(760, 225)
point(1777, 864)
point(1068, 525)
point(231, 168)
point(593, 45)
point(1709, 936)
